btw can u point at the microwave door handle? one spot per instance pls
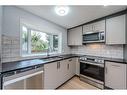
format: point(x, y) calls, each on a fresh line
point(99, 36)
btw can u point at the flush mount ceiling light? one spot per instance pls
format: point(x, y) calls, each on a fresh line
point(106, 5)
point(61, 10)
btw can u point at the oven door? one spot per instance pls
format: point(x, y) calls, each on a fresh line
point(92, 71)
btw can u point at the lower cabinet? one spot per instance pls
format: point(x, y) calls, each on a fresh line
point(59, 72)
point(115, 75)
point(51, 79)
point(70, 68)
point(77, 67)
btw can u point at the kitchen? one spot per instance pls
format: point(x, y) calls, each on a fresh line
point(56, 50)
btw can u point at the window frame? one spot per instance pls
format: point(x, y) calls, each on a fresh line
point(29, 42)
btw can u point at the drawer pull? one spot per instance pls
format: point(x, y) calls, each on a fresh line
point(116, 65)
point(68, 66)
point(70, 59)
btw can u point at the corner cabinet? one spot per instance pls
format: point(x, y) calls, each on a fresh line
point(115, 75)
point(75, 36)
point(116, 30)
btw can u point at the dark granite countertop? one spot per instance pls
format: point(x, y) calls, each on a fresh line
point(13, 66)
point(16, 65)
point(115, 60)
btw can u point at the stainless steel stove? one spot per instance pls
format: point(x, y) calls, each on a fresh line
point(92, 70)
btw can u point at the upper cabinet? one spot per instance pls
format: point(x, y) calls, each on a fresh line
point(75, 36)
point(113, 28)
point(87, 28)
point(98, 26)
point(116, 30)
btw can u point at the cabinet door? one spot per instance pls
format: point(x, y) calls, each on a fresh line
point(71, 66)
point(75, 36)
point(62, 72)
point(116, 30)
point(99, 26)
point(87, 28)
point(77, 66)
point(115, 75)
point(51, 76)
point(70, 37)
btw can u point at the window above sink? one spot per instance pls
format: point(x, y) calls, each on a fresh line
point(35, 42)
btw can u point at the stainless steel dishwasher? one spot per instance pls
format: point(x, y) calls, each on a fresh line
point(28, 78)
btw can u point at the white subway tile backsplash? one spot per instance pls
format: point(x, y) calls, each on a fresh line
point(10, 48)
point(114, 51)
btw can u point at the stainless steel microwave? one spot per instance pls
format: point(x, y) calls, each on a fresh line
point(93, 37)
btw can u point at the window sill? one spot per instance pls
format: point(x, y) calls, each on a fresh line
point(40, 55)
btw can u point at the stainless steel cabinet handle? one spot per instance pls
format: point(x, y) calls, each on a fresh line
point(70, 59)
point(59, 65)
point(68, 66)
point(116, 65)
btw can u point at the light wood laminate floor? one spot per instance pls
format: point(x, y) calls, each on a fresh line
point(75, 83)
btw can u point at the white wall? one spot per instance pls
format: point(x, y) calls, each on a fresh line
point(1, 13)
point(12, 16)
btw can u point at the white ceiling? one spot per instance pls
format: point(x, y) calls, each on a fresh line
point(76, 16)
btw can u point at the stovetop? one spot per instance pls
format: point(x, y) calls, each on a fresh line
point(93, 59)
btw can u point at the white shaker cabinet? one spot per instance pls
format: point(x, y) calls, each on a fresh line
point(56, 73)
point(71, 67)
point(77, 67)
point(75, 36)
point(99, 26)
point(51, 75)
point(116, 30)
point(115, 75)
point(87, 28)
point(62, 72)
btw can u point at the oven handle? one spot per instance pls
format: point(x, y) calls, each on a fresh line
point(99, 65)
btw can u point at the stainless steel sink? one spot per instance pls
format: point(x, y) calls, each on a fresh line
point(52, 58)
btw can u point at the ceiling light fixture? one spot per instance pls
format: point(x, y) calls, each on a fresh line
point(61, 10)
point(106, 5)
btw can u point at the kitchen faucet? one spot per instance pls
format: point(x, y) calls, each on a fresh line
point(48, 50)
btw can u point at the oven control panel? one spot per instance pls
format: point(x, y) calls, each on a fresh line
point(94, 59)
